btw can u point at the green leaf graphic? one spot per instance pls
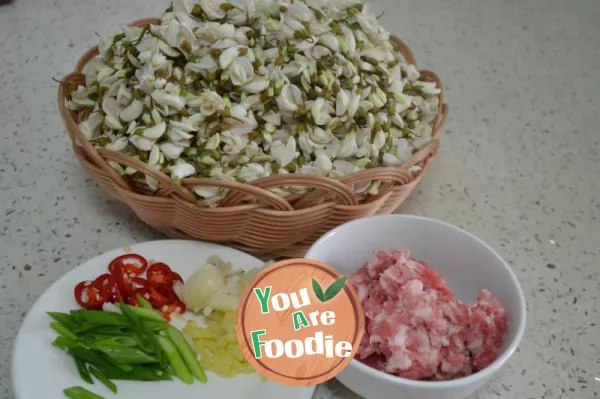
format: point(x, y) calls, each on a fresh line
point(334, 289)
point(317, 290)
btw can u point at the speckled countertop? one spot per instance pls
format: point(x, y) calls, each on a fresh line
point(519, 165)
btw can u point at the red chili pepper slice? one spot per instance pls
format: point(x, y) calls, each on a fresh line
point(160, 275)
point(89, 296)
point(177, 306)
point(139, 283)
point(139, 286)
point(133, 263)
point(166, 316)
point(176, 277)
point(108, 283)
point(160, 296)
point(142, 291)
point(122, 279)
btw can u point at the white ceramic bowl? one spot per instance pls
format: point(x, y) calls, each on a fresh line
point(466, 262)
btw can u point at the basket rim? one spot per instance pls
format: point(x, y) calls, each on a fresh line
point(268, 201)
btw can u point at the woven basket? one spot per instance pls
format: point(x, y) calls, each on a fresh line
point(251, 217)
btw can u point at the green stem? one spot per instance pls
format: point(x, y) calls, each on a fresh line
point(181, 370)
point(187, 353)
point(99, 318)
point(80, 393)
point(103, 379)
point(84, 373)
point(128, 356)
point(154, 345)
point(63, 330)
point(147, 314)
point(144, 303)
point(63, 318)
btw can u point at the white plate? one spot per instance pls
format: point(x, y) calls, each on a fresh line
point(40, 370)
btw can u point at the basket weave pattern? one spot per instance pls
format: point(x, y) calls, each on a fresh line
point(251, 217)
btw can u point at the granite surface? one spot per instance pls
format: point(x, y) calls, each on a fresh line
point(519, 165)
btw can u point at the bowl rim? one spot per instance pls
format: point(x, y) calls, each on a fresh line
point(483, 374)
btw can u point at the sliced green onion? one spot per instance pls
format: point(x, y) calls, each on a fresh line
point(80, 393)
point(181, 370)
point(103, 379)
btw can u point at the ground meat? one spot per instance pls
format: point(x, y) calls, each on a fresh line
point(414, 325)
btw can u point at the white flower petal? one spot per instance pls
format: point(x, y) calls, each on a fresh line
point(212, 9)
point(240, 126)
point(398, 121)
point(403, 101)
point(342, 102)
point(403, 149)
point(124, 94)
point(241, 71)
point(168, 100)
point(319, 52)
point(251, 171)
point(225, 44)
point(104, 74)
point(118, 144)
point(131, 32)
point(132, 111)
point(306, 45)
point(152, 183)
point(154, 156)
point(323, 163)
point(330, 41)
point(342, 168)
point(290, 98)
point(250, 101)
point(185, 125)
point(284, 154)
point(353, 104)
point(129, 171)
point(233, 144)
point(90, 125)
point(171, 150)
point(349, 146)
point(350, 40)
point(389, 159)
point(182, 170)
point(141, 143)
point(428, 87)
point(213, 142)
point(155, 132)
point(131, 127)
point(228, 56)
point(176, 135)
point(171, 33)
point(112, 122)
point(209, 103)
point(317, 106)
point(206, 63)
point(168, 50)
point(379, 139)
point(368, 23)
point(238, 111)
point(206, 192)
point(272, 117)
point(111, 107)
point(333, 148)
point(366, 105)
point(257, 86)
point(116, 167)
point(412, 73)
point(293, 68)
